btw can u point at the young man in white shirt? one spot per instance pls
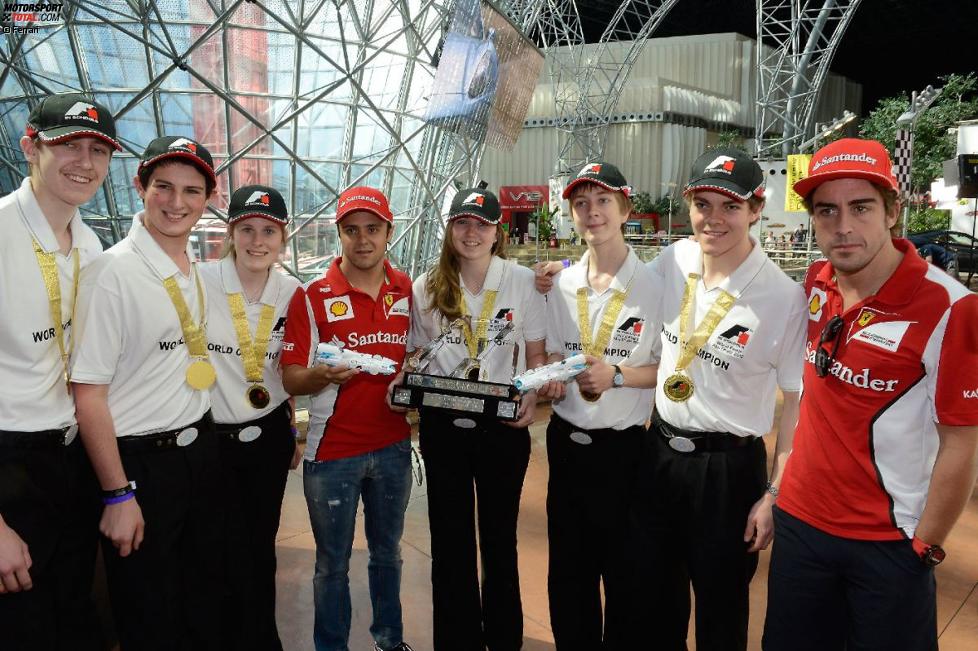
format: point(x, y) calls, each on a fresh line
point(606, 307)
point(141, 373)
point(48, 502)
point(732, 336)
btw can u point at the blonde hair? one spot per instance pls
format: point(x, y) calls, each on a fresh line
point(443, 284)
point(227, 249)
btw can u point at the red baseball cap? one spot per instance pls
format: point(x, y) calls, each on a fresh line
point(363, 198)
point(848, 158)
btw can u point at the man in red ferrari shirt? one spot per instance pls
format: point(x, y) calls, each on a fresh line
point(884, 452)
point(356, 446)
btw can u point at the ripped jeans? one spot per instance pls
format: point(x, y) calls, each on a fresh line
point(333, 491)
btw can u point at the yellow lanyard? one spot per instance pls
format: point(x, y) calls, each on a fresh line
point(689, 345)
point(252, 351)
point(194, 334)
point(611, 312)
point(52, 282)
point(472, 342)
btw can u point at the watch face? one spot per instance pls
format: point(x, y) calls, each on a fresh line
point(618, 379)
point(934, 555)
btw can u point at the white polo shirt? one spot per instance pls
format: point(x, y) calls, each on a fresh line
point(758, 346)
point(34, 396)
point(130, 336)
point(228, 399)
point(517, 302)
point(634, 341)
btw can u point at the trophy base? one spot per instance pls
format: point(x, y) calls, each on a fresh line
point(489, 399)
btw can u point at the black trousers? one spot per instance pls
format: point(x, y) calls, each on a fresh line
point(687, 526)
point(587, 513)
point(49, 496)
point(473, 472)
point(827, 593)
point(166, 596)
point(255, 473)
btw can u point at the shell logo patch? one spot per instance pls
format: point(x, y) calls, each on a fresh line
point(339, 309)
point(816, 301)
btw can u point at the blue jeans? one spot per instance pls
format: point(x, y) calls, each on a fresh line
point(333, 490)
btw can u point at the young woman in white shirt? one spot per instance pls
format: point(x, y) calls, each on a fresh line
point(247, 306)
point(467, 455)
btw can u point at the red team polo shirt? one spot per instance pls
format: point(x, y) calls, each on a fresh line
point(351, 419)
point(867, 438)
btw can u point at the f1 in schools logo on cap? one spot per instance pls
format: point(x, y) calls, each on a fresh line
point(183, 143)
point(258, 198)
point(82, 111)
point(593, 168)
point(721, 163)
point(476, 198)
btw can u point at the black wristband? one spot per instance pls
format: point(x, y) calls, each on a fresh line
point(119, 492)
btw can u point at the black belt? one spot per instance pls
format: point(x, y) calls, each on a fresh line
point(686, 441)
point(49, 438)
point(174, 438)
point(248, 432)
point(590, 435)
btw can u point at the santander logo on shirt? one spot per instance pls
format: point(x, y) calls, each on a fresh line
point(861, 378)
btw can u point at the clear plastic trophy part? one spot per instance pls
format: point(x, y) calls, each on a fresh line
point(469, 367)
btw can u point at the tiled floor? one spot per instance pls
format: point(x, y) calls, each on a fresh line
point(957, 579)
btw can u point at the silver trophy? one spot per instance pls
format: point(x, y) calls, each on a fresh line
point(461, 391)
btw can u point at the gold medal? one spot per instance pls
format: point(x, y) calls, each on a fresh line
point(258, 396)
point(201, 375)
point(678, 387)
point(587, 395)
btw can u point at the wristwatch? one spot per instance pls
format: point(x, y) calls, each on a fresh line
point(618, 380)
point(930, 555)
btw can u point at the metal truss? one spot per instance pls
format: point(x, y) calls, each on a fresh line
point(588, 81)
point(309, 96)
point(796, 40)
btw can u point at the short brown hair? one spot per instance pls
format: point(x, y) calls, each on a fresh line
point(146, 171)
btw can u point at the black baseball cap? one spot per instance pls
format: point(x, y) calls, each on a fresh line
point(257, 201)
point(475, 202)
point(71, 115)
point(600, 173)
point(727, 170)
point(179, 147)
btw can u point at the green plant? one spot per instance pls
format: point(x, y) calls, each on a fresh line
point(933, 144)
point(543, 217)
point(924, 218)
point(642, 203)
point(729, 139)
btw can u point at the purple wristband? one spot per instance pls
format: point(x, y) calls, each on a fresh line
point(566, 262)
point(118, 500)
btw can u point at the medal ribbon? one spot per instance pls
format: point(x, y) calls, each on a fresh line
point(52, 282)
point(472, 342)
point(689, 346)
point(611, 312)
point(194, 334)
point(252, 351)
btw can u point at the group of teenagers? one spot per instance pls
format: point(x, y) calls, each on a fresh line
point(148, 404)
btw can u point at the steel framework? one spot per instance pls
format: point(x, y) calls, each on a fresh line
point(588, 79)
point(309, 96)
point(312, 96)
point(796, 40)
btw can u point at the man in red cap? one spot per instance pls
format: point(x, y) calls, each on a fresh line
point(884, 451)
point(356, 445)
